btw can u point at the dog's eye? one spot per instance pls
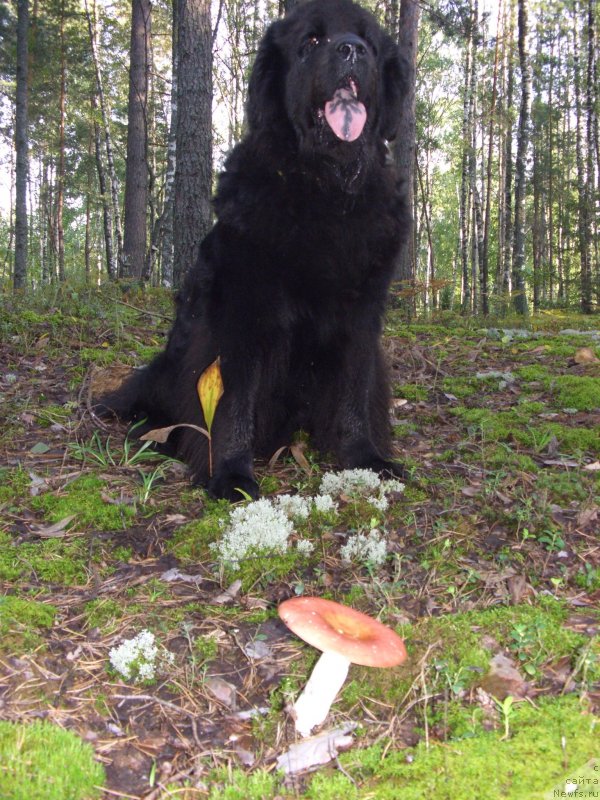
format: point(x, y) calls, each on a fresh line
point(309, 43)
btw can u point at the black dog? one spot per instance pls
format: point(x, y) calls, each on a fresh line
point(290, 286)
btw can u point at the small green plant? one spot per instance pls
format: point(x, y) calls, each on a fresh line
point(506, 708)
point(527, 644)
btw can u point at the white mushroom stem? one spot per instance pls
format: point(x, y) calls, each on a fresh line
point(326, 680)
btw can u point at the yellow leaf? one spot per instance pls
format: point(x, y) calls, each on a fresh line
point(210, 390)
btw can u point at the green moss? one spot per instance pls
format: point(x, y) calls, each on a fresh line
point(460, 387)
point(14, 484)
point(85, 498)
point(50, 560)
point(574, 391)
point(548, 743)
point(533, 372)
point(411, 391)
point(22, 621)
point(234, 784)
point(44, 762)
point(104, 612)
point(190, 542)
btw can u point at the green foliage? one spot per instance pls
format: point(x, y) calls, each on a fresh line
point(41, 761)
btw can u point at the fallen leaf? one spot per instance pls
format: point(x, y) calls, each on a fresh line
point(316, 750)
point(297, 450)
point(175, 575)
point(229, 595)
point(161, 435)
point(55, 531)
point(257, 649)
point(222, 690)
point(593, 467)
point(517, 586)
point(40, 448)
point(585, 355)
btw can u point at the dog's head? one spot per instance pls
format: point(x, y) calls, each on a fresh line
point(330, 77)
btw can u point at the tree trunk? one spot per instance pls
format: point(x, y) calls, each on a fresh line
point(506, 204)
point(107, 208)
point(136, 173)
point(590, 111)
point(583, 224)
point(405, 147)
point(485, 269)
point(519, 295)
point(60, 176)
point(467, 147)
point(110, 162)
point(22, 147)
point(167, 215)
point(193, 173)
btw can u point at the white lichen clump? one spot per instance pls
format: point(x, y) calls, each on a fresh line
point(257, 527)
point(266, 526)
point(368, 548)
point(293, 505)
point(360, 483)
point(136, 658)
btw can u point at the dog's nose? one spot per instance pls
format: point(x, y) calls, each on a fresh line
point(351, 48)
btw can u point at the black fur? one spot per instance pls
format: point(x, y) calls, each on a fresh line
point(291, 283)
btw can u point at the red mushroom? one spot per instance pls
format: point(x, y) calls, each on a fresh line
point(345, 636)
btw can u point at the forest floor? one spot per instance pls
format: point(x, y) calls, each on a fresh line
point(492, 577)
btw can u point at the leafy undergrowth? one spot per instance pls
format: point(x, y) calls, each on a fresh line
point(487, 562)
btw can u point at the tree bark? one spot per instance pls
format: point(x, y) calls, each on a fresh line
point(22, 147)
point(405, 147)
point(519, 295)
point(110, 162)
point(193, 173)
point(167, 215)
point(136, 173)
point(60, 176)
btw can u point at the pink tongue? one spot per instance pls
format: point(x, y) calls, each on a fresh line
point(346, 115)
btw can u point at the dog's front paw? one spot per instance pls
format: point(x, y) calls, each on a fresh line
point(386, 468)
point(232, 487)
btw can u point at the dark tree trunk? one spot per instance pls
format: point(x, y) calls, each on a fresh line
point(22, 147)
point(193, 173)
point(405, 147)
point(60, 177)
point(115, 217)
point(136, 174)
point(519, 296)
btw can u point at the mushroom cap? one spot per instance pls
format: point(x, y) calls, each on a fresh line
point(333, 627)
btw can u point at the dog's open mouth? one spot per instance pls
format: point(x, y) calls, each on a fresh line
point(345, 114)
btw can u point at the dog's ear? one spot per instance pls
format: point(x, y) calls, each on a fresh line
point(265, 105)
point(394, 85)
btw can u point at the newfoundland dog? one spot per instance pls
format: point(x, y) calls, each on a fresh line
point(290, 287)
